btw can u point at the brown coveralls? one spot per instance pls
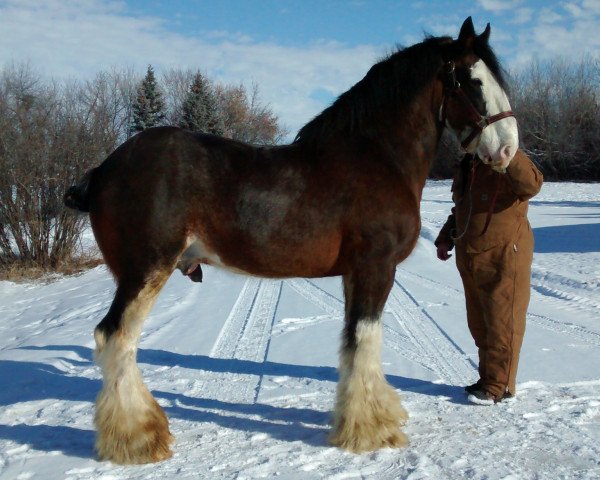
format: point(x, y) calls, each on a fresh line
point(495, 266)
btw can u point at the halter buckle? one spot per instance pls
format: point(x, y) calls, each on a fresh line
point(451, 72)
point(482, 123)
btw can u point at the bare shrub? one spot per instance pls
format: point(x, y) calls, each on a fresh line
point(49, 137)
point(557, 104)
point(246, 118)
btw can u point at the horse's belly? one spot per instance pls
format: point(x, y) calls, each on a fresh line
point(278, 257)
point(197, 252)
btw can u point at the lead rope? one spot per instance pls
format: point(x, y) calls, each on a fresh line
point(491, 208)
point(454, 239)
point(488, 218)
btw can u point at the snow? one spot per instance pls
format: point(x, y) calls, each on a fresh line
point(245, 368)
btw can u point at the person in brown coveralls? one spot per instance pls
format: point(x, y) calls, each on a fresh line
point(494, 249)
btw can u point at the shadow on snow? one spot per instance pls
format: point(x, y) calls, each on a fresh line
point(22, 381)
point(581, 238)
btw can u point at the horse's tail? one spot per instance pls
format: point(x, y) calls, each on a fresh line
point(77, 196)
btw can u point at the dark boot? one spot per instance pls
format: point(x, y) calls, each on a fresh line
point(476, 386)
point(481, 396)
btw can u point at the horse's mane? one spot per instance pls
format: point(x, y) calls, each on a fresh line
point(392, 83)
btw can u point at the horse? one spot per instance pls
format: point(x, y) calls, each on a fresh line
point(342, 199)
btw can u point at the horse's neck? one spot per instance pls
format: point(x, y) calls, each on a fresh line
point(415, 136)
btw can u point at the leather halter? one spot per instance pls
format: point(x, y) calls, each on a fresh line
point(477, 121)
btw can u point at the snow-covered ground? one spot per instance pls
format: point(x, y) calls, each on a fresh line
point(245, 368)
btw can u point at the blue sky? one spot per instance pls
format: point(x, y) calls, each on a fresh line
point(291, 23)
point(302, 54)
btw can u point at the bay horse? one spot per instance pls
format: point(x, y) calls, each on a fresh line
point(341, 199)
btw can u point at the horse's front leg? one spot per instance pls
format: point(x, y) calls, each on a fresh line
point(368, 413)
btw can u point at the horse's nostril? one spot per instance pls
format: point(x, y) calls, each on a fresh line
point(506, 152)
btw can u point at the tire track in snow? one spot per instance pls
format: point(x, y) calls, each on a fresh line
point(399, 343)
point(254, 340)
point(292, 324)
point(327, 302)
point(402, 345)
point(567, 293)
point(446, 357)
point(571, 329)
point(543, 276)
point(245, 336)
point(166, 314)
point(571, 300)
point(234, 326)
point(576, 331)
point(439, 286)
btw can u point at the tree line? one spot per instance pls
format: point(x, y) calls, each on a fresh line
point(190, 100)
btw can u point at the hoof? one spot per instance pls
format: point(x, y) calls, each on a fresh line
point(127, 440)
point(366, 436)
point(368, 422)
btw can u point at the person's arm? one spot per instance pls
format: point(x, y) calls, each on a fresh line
point(526, 180)
point(444, 242)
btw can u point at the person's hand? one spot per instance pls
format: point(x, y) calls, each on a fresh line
point(442, 251)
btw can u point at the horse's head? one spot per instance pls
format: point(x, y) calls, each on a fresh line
point(475, 105)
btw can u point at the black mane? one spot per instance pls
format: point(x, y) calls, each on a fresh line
point(391, 83)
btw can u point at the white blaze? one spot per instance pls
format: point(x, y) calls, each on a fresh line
point(500, 137)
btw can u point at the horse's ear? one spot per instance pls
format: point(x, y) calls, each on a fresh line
point(485, 36)
point(466, 36)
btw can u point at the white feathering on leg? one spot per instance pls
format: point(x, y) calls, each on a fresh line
point(132, 428)
point(368, 411)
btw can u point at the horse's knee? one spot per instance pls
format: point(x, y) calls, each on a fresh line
point(100, 337)
point(107, 327)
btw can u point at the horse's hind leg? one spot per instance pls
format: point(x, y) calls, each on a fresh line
point(132, 428)
point(368, 413)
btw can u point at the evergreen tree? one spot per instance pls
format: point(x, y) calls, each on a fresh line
point(148, 107)
point(199, 110)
